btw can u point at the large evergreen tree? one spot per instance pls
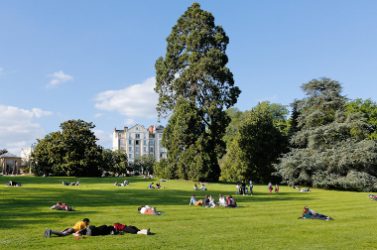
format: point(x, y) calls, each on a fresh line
point(332, 149)
point(194, 70)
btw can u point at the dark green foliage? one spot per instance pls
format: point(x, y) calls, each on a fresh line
point(332, 149)
point(72, 151)
point(114, 162)
point(143, 165)
point(260, 140)
point(3, 151)
point(193, 73)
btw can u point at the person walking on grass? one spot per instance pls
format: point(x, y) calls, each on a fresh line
point(80, 225)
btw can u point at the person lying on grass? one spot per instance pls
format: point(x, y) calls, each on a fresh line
point(80, 225)
point(148, 210)
point(62, 206)
point(14, 184)
point(116, 229)
point(373, 197)
point(311, 214)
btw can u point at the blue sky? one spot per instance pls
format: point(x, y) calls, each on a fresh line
point(94, 60)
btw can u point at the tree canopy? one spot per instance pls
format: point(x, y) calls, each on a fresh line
point(194, 74)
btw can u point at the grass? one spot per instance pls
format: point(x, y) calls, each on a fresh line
point(263, 221)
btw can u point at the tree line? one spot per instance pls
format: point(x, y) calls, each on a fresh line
point(322, 140)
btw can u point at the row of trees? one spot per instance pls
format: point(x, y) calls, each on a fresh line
point(73, 151)
point(328, 141)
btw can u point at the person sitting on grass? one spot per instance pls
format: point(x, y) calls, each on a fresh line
point(203, 187)
point(150, 186)
point(373, 197)
point(222, 202)
point(211, 202)
point(80, 225)
point(230, 201)
point(192, 200)
point(148, 210)
point(311, 214)
point(62, 206)
point(158, 185)
point(205, 201)
point(196, 187)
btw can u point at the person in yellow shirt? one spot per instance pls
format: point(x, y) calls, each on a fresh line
point(80, 225)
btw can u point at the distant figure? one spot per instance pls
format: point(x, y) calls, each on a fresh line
point(277, 188)
point(62, 206)
point(304, 190)
point(205, 201)
point(80, 225)
point(75, 183)
point(311, 214)
point(251, 187)
point(211, 202)
point(230, 201)
point(148, 210)
point(203, 187)
point(222, 202)
point(192, 200)
point(270, 188)
point(196, 187)
point(14, 184)
point(238, 188)
point(373, 197)
point(158, 185)
point(243, 187)
point(150, 186)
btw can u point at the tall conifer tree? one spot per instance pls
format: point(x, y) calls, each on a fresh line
point(194, 71)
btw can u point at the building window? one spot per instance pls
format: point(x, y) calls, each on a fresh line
point(137, 136)
point(145, 142)
point(137, 142)
point(129, 141)
point(145, 149)
point(151, 149)
point(129, 149)
point(130, 156)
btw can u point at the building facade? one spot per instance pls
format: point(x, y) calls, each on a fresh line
point(137, 141)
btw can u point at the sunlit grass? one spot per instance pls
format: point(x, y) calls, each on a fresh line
point(263, 221)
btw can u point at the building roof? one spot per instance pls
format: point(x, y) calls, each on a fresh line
point(9, 155)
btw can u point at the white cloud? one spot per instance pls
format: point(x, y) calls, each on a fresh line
point(58, 78)
point(18, 127)
point(135, 101)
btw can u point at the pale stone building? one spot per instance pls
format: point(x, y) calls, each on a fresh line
point(137, 141)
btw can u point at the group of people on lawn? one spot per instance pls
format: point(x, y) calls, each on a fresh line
point(83, 228)
point(209, 201)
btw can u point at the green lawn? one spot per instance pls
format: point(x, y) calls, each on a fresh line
point(263, 221)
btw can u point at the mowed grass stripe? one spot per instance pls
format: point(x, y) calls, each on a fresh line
point(262, 221)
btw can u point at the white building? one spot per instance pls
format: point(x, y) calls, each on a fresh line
point(137, 141)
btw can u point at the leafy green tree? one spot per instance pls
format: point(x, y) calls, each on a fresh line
point(367, 109)
point(114, 162)
point(260, 140)
point(332, 147)
point(194, 69)
point(144, 164)
point(72, 151)
point(3, 151)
